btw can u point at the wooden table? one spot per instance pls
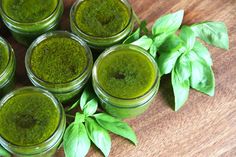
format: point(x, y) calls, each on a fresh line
point(205, 126)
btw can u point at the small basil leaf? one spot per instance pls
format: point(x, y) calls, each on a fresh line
point(98, 135)
point(172, 43)
point(79, 118)
point(202, 76)
point(3, 152)
point(87, 95)
point(133, 37)
point(168, 23)
point(202, 52)
point(116, 126)
point(144, 42)
point(188, 36)
point(153, 50)
point(160, 39)
point(76, 104)
point(76, 141)
point(183, 67)
point(181, 89)
point(91, 107)
point(166, 61)
point(213, 33)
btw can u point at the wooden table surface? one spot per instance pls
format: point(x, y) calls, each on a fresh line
point(205, 126)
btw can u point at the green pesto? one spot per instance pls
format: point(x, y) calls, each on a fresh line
point(28, 119)
point(58, 60)
point(4, 57)
point(29, 11)
point(126, 74)
point(102, 18)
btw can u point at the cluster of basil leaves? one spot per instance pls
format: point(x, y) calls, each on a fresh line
point(91, 126)
point(181, 54)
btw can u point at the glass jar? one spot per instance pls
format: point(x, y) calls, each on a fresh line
point(26, 31)
point(98, 42)
point(7, 72)
point(49, 146)
point(125, 107)
point(65, 91)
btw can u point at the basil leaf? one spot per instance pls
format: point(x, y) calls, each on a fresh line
point(76, 104)
point(168, 23)
point(202, 76)
point(160, 39)
point(133, 37)
point(91, 107)
point(3, 152)
point(87, 95)
point(188, 36)
point(180, 80)
point(172, 43)
point(180, 88)
point(202, 52)
point(153, 50)
point(79, 118)
point(116, 126)
point(98, 135)
point(76, 140)
point(213, 33)
point(144, 42)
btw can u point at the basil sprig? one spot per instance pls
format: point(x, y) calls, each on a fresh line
point(181, 54)
point(91, 126)
point(3, 152)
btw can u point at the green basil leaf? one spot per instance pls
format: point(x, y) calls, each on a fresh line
point(181, 89)
point(116, 126)
point(76, 104)
point(213, 33)
point(183, 67)
point(76, 141)
point(87, 95)
point(160, 39)
point(172, 43)
point(133, 37)
point(168, 23)
point(79, 118)
point(153, 50)
point(91, 107)
point(98, 135)
point(202, 76)
point(188, 36)
point(3, 152)
point(144, 42)
point(202, 52)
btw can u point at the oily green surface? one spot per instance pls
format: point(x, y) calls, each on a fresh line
point(126, 74)
point(102, 18)
point(28, 119)
point(4, 57)
point(58, 59)
point(29, 11)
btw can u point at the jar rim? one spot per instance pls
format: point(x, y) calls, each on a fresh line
point(10, 55)
point(74, 9)
point(56, 103)
point(132, 47)
point(29, 23)
point(52, 34)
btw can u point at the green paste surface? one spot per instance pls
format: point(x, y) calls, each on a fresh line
point(4, 57)
point(102, 18)
point(126, 74)
point(28, 119)
point(58, 59)
point(29, 11)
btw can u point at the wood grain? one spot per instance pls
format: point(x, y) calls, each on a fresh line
point(205, 126)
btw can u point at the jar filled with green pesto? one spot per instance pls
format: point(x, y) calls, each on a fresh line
point(102, 23)
point(32, 122)
point(59, 62)
point(126, 79)
point(7, 67)
point(27, 19)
